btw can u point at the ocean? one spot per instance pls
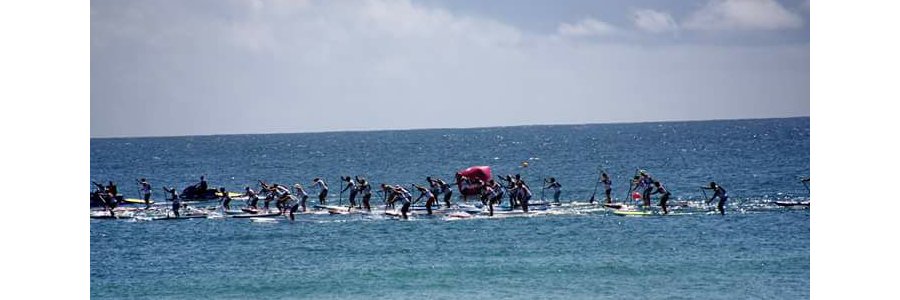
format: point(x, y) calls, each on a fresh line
point(756, 250)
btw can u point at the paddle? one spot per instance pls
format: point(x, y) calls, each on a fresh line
point(341, 194)
point(596, 184)
point(705, 197)
point(631, 186)
point(543, 187)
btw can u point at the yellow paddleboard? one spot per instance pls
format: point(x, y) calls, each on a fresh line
point(230, 194)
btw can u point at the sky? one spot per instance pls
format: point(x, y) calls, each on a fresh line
point(172, 68)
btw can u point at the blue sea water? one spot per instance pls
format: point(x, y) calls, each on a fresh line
point(757, 250)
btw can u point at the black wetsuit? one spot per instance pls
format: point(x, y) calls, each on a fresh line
point(352, 187)
point(367, 194)
point(607, 184)
point(664, 198)
point(723, 196)
point(447, 191)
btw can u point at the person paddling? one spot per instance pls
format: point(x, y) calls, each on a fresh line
point(366, 190)
point(145, 191)
point(323, 189)
point(435, 189)
point(252, 197)
point(555, 186)
point(523, 195)
point(489, 196)
point(388, 193)
point(718, 191)
point(103, 196)
point(428, 195)
point(301, 193)
point(351, 185)
point(225, 198)
point(447, 190)
point(664, 198)
point(399, 193)
point(176, 202)
point(498, 192)
point(283, 195)
point(646, 184)
point(292, 204)
point(607, 186)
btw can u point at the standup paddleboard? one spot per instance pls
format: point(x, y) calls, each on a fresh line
point(135, 201)
point(638, 213)
point(273, 214)
point(790, 203)
point(182, 217)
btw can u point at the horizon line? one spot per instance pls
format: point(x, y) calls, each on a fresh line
point(449, 128)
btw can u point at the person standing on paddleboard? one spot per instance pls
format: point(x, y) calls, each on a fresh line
point(607, 186)
point(428, 195)
point(176, 202)
point(646, 184)
point(283, 195)
point(366, 190)
point(351, 185)
point(718, 191)
point(301, 193)
point(664, 198)
point(292, 203)
point(524, 194)
point(399, 193)
point(323, 189)
point(435, 189)
point(555, 186)
point(388, 194)
point(498, 190)
point(447, 190)
point(226, 200)
point(252, 197)
point(145, 191)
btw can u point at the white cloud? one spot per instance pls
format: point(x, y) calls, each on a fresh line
point(586, 27)
point(653, 21)
point(742, 15)
point(336, 65)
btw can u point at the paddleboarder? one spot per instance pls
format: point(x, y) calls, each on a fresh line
point(145, 191)
point(428, 195)
point(555, 186)
point(323, 189)
point(302, 194)
point(607, 186)
point(664, 198)
point(351, 185)
point(366, 190)
point(646, 184)
point(252, 197)
point(718, 191)
point(226, 200)
point(399, 193)
point(523, 194)
point(447, 190)
point(176, 202)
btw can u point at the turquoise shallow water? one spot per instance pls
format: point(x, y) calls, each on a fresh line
point(756, 251)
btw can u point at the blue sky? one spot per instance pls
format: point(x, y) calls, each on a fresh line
point(161, 68)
